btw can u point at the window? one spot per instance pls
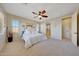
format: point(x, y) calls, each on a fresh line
point(15, 26)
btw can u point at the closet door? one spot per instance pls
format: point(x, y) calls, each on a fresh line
point(66, 28)
point(74, 28)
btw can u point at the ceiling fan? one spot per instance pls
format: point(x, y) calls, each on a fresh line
point(40, 14)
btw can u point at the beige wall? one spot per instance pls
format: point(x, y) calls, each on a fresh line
point(20, 19)
point(56, 29)
point(10, 18)
point(1, 18)
point(43, 28)
point(1, 22)
point(2, 33)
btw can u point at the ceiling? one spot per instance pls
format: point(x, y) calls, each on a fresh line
point(53, 9)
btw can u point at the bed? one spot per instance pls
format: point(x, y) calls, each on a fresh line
point(32, 38)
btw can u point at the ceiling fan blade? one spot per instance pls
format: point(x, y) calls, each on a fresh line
point(44, 16)
point(34, 13)
point(36, 16)
point(43, 11)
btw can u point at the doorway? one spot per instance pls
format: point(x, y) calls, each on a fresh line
point(66, 28)
point(48, 31)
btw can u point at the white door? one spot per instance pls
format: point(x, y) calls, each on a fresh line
point(74, 28)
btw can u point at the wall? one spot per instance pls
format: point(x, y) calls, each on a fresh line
point(21, 20)
point(1, 22)
point(43, 28)
point(1, 19)
point(56, 29)
point(2, 33)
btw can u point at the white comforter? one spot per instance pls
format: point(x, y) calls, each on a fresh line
point(32, 38)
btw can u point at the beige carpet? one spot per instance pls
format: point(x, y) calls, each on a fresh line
point(49, 47)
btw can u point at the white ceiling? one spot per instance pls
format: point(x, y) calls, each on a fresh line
point(53, 9)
